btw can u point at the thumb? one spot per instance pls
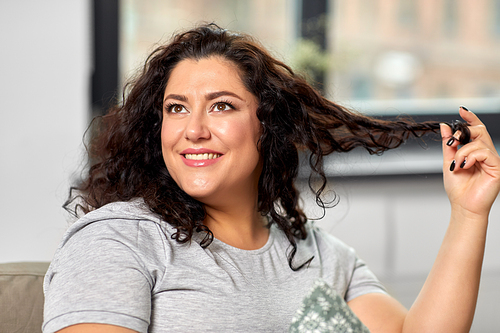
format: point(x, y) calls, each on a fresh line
point(448, 151)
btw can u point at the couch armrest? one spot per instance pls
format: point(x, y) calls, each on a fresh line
point(21, 296)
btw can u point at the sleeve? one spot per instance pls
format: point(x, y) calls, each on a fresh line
point(348, 274)
point(363, 281)
point(103, 273)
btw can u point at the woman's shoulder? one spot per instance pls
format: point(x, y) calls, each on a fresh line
point(119, 234)
point(128, 223)
point(325, 236)
point(135, 209)
point(327, 242)
point(118, 251)
point(125, 214)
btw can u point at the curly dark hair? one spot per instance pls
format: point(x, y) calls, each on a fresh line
point(125, 154)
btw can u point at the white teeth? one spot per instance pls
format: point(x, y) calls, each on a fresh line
point(206, 156)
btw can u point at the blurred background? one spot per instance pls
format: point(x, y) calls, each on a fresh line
point(64, 61)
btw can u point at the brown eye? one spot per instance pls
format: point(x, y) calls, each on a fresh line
point(176, 108)
point(223, 106)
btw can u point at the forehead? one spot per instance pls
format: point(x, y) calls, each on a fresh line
point(215, 71)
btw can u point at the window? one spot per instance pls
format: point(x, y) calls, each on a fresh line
point(423, 66)
point(450, 17)
point(383, 58)
point(407, 14)
point(495, 10)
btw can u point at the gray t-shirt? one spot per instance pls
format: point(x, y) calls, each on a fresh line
point(119, 265)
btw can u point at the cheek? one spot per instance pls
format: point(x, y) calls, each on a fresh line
point(167, 142)
point(240, 132)
point(164, 139)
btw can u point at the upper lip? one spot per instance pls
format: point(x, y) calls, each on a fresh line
point(199, 151)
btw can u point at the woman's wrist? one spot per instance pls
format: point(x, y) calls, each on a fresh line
point(466, 216)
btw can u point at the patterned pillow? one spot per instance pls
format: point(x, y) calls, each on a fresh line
point(323, 310)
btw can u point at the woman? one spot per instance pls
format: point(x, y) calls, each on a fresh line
point(192, 219)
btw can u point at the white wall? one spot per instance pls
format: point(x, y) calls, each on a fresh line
point(44, 89)
point(397, 224)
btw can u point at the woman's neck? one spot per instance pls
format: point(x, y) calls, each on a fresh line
point(243, 229)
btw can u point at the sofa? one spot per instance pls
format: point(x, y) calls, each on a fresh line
point(21, 297)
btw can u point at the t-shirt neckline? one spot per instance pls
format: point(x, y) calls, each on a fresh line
point(264, 248)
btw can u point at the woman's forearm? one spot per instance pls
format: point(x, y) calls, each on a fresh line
point(448, 298)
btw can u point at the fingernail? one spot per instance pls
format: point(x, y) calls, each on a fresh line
point(463, 164)
point(452, 166)
point(463, 107)
point(450, 142)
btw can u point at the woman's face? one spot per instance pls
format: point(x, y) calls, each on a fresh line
point(210, 131)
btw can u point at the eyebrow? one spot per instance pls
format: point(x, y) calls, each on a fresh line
point(177, 97)
point(209, 96)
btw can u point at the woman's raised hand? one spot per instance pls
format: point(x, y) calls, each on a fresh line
point(448, 298)
point(471, 173)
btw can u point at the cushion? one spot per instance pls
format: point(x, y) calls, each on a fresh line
point(324, 310)
point(21, 296)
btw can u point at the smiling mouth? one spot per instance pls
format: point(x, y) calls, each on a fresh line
point(205, 156)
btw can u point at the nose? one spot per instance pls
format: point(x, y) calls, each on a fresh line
point(197, 127)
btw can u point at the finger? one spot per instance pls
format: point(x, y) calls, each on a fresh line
point(469, 149)
point(464, 155)
point(469, 116)
point(446, 131)
point(480, 133)
point(455, 139)
point(449, 150)
point(476, 127)
point(488, 160)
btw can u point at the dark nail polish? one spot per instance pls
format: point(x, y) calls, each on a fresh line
point(463, 164)
point(452, 166)
point(450, 142)
point(463, 107)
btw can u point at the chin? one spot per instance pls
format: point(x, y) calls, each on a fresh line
point(198, 193)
